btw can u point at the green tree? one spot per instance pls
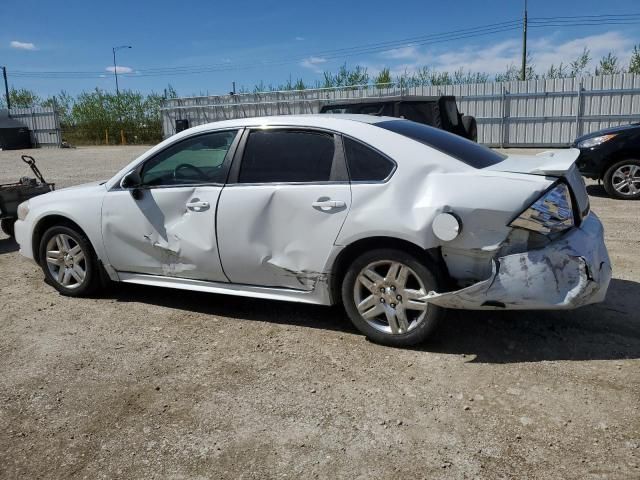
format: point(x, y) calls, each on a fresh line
point(634, 63)
point(170, 92)
point(556, 72)
point(579, 65)
point(383, 79)
point(608, 65)
point(21, 98)
point(510, 74)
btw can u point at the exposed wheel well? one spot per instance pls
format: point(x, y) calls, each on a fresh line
point(431, 256)
point(43, 225)
point(615, 158)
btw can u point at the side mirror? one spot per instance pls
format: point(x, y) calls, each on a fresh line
point(131, 180)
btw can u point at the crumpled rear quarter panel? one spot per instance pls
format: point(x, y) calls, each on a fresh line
point(572, 271)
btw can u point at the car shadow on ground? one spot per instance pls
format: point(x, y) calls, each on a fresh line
point(8, 245)
point(607, 331)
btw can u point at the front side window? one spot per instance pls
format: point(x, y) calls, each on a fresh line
point(287, 156)
point(365, 164)
point(196, 160)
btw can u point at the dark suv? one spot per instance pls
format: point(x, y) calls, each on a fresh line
point(612, 156)
point(440, 112)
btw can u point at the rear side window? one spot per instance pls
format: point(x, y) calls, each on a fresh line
point(285, 156)
point(471, 153)
point(365, 164)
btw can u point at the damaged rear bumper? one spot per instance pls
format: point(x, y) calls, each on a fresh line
point(571, 271)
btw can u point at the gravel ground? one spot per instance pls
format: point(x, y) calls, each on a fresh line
point(154, 383)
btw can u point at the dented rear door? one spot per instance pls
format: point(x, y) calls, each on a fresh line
point(281, 213)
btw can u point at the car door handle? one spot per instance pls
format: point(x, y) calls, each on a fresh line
point(198, 206)
point(328, 204)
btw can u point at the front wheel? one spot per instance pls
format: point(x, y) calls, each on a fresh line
point(622, 180)
point(69, 262)
point(383, 293)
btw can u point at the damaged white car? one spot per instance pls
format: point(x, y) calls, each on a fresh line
point(392, 218)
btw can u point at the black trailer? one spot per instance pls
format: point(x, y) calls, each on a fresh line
point(13, 134)
point(437, 111)
point(13, 194)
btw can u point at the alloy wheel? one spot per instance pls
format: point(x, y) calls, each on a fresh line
point(66, 261)
point(390, 297)
point(626, 180)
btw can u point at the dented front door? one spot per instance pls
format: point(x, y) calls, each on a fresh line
point(166, 225)
point(168, 231)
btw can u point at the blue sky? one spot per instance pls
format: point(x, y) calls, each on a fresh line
point(269, 41)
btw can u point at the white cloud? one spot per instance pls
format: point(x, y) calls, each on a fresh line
point(313, 63)
point(408, 51)
point(22, 45)
point(299, 39)
point(119, 69)
point(496, 57)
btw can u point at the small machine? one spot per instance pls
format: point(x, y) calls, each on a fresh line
point(13, 194)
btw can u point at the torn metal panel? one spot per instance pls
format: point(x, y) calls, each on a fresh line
point(571, 271)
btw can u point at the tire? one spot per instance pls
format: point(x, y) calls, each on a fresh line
point(616, 179)
point(385, 268)
point(70, 282)
point(7, 224)
point(470, 127)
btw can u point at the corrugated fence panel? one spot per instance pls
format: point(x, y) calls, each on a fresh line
point(533, 113)
point(42, 122)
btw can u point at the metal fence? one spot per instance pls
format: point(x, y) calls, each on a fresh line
point(43, 124)
point(534, 113)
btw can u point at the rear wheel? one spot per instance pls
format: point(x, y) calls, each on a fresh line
point(383, 293)
point(622, 179)
point(69, 262)
point(7, 224)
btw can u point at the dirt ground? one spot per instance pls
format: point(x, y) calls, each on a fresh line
point(152, 383)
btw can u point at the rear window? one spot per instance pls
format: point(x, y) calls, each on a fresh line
point(471, 153)
point(365, 164)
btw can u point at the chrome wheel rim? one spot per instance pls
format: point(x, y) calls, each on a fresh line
point(389, 296)
point(626, 180)
point(66, 261)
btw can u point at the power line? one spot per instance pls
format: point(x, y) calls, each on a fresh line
point(346, 52)
point(326, 55)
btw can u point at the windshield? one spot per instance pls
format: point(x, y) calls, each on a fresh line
point(471, 153)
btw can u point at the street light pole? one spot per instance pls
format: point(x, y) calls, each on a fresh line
point(523, 73)
point(115, 65)
point(6, 89)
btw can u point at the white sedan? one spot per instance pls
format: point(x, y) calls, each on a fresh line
point(394, 219)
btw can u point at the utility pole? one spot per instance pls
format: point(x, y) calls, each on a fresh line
point(523, 73)
point(115, 66)
point(6, 88)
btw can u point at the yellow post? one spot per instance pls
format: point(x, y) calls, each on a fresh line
point(106, 136)
point(122, 141)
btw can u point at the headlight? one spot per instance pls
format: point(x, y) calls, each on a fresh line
point(551, 213)
point(23, 210)
point(592, 142)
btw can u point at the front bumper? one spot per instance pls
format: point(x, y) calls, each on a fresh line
point(22, 233)
point(571, 271)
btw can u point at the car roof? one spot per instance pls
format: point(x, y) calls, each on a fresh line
point(325, 120)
